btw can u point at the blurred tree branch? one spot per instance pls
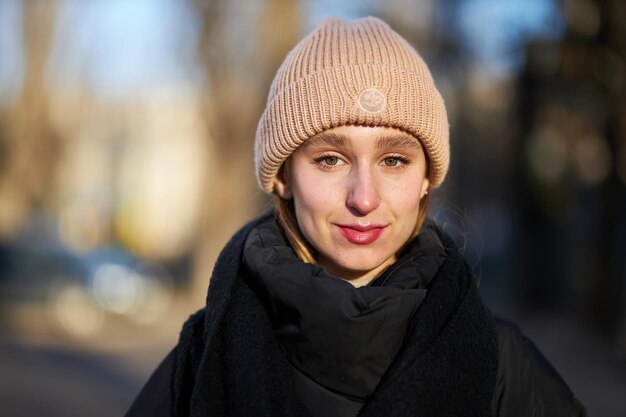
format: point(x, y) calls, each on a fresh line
point(239, 55)
point(28, 143)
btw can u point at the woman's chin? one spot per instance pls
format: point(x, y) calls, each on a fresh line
point(357, 269)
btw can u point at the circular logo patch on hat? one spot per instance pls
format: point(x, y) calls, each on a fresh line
point(372, 100)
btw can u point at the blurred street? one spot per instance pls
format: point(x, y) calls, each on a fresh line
point(47, 373)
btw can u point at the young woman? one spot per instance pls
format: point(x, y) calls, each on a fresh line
point(345, 300)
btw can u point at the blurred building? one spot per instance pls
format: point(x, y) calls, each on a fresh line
point(572, 200)
point(127, 167)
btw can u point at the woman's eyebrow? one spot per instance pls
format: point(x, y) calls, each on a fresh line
point(398, 141)
point(330, 139)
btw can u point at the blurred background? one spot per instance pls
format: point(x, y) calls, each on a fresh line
point(126, 132)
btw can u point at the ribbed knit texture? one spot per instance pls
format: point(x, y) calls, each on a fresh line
point(361, 73)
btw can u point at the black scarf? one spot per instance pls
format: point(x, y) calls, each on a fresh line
point(230, 363)
point(343, 338)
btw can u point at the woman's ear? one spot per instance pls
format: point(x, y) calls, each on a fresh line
point(424, 190)
point(282, 183)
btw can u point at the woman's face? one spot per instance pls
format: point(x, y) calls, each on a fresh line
point(356, 193)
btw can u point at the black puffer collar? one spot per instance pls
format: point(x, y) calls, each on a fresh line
point(341, 337)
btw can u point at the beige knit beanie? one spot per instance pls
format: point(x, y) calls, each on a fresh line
point(361, 73)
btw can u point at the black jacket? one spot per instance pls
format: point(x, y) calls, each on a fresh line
point(456, 360)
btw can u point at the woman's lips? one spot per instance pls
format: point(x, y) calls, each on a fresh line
point(361, 235)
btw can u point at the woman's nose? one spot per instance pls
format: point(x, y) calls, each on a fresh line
point(363, 196)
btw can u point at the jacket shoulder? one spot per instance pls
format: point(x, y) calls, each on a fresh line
point(156, 398)
point(527, 384)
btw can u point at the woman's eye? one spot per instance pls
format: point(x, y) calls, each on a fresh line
point(330, 160)
point(392, 162)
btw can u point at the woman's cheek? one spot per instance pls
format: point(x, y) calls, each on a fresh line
point(317, 192)
point(403, 196)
